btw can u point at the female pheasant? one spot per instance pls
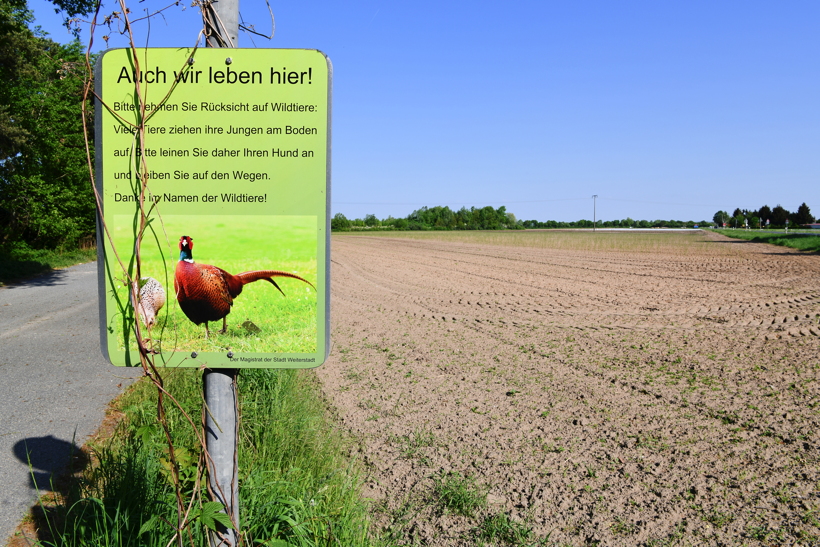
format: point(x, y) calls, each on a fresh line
point(152, 299)
point(206, 293)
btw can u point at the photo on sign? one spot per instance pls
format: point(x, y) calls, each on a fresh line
point(262, 317)
point(240, 166)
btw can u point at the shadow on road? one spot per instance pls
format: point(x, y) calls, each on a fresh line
point(47, 458)
point(48, 279)
point(52, 463)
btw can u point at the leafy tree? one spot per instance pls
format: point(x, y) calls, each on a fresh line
point(738, 220)
point(803, 215)
point(737, 213)
point(45, 196)
point(765, 213)
point(371, 220)
point(444, 218)
point(779, 216)
point(720, 217)
point(339, 222)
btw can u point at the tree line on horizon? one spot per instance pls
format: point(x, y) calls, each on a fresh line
point(487, 218)
point(434, 218)
point(777, 217)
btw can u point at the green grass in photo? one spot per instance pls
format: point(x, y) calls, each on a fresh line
point(273, 323)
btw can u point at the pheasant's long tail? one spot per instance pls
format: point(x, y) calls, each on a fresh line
point(268, 275)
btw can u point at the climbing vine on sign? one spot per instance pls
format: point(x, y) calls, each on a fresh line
point(184, 468)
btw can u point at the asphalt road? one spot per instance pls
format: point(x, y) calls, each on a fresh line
point(54, 383)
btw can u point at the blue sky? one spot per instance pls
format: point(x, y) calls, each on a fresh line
point(664, 110)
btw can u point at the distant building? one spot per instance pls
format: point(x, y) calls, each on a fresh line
point(815, 226)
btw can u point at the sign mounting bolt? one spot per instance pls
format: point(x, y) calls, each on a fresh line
point(191, 60)
point(230, 355)
point(193, 355)
point(228, 61)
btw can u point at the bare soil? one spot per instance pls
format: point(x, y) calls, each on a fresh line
point(613, 396)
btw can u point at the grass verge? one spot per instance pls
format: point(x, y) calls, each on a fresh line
point(20, 263)
point(297, 487)
point(802, 242)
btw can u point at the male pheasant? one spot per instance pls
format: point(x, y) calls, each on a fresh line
point(206, 293)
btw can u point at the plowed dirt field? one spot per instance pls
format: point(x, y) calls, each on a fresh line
point(564, 388)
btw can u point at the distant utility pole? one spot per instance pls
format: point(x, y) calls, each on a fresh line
point(221, 22)
point(594, 219)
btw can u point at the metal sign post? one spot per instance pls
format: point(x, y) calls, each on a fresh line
point(221, 21)
point(221, 432)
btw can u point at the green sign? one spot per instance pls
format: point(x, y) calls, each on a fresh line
point(234, 152)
